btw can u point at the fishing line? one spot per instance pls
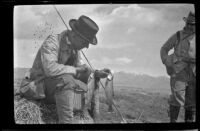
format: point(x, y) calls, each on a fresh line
point(91, 66)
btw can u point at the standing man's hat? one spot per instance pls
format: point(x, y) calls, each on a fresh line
point(86, 28)
point(190, 18)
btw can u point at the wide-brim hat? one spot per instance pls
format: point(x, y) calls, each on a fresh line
point(86, 28)
point(190, 18)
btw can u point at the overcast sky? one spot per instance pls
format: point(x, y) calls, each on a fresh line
point(129, 39)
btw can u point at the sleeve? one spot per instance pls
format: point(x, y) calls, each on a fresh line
point(168, 45)
point(49, 58)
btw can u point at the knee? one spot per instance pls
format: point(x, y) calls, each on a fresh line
point(83, 77)
point(66, 82)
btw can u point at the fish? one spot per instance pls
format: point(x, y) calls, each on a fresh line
point(109, 91)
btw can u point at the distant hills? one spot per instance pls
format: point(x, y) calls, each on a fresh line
point(131, 80)
point(148, 83)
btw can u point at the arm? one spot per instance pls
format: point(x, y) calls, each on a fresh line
point(49, 58)
point(169, 44)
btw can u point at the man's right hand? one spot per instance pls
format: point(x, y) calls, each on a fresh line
point(81, 69)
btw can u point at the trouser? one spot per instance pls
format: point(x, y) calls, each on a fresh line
point(60, 90)
point(183, 94)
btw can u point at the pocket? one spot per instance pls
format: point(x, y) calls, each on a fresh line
point(170, 70)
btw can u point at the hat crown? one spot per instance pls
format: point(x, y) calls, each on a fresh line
point(85, 27)
point(86, 20)
point(190, 18)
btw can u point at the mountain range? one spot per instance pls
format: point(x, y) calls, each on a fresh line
point(145, 82)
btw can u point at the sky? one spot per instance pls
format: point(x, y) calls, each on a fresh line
point(129, 38)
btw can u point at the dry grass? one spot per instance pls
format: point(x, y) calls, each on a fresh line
point(33, 112)
point(27, 112)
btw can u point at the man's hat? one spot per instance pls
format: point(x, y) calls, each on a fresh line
point(86, 28)
point(190, 18)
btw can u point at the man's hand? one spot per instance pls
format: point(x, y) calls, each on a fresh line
point(83, 69)
point(102, 73)
point(80, 69)
point(83, 72)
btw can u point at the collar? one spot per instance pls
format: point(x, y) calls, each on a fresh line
point(186, 31)
point(65, 44)
point(70, 45)
point(185, 34)
point(67, 41)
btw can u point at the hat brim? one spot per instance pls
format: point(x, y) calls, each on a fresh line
point(186, 20)
point(71, 24)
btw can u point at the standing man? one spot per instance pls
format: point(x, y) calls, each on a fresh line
point(57, 69)
point(180, 67)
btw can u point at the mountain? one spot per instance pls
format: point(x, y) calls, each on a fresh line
point(148, 83)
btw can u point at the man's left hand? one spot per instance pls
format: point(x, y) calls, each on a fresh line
point(87, 68)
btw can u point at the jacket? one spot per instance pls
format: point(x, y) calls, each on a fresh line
point(52, 59)
point(181, 50)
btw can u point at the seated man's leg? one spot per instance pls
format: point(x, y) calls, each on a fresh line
point(60, 90)
point(64, 105)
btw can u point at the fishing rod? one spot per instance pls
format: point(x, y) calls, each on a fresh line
point(113, 103)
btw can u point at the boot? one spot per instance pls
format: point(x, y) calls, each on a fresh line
point(173, 112)
point(64, 105)
point(189, 116)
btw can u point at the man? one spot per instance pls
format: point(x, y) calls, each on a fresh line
point(180, 67)
point(58, 70)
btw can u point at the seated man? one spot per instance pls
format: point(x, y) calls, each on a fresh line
point(57, 70)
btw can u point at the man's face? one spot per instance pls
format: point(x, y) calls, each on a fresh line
point(78, 42)
point(191, 27)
